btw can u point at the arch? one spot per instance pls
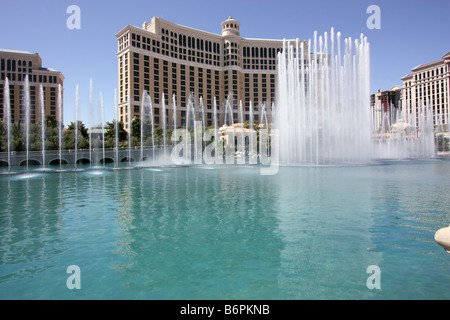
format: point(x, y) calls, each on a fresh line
point(4, 163)
point(31, 162)
point(126, 159)
point(106, 160)
point(83, 161)
point(58, 161)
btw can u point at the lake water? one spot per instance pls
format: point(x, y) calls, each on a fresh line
point(227, 232)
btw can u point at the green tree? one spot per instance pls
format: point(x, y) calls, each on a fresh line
point(82, 136)
point(18, 138)
point(35, 137)
point(110, 134)
point(147, 132)
point(136, 131)
point(51, 133)
point(158, 136)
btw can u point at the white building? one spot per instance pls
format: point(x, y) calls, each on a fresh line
point(427, 86)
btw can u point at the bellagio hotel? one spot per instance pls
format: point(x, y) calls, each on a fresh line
point(16, 66)
point(167, 60)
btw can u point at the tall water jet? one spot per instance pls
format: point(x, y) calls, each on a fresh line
point(43, 124)
point(116, 129)
point(60, 124)
point(164, 124)
point(77, 101)
point(323, 105)
point(216, 133)
point(242, 134)
point(197, 154)
point(103, 129)
point(174, 112)
point(189, 113)
point(129, 124)
point(27, 118)
point(90, 120)
point(174, 116)
point(142, 124)
point(7, 112)
point(229, 121)
point(252, 150)
point(146, 117)
point(202, 110)
point(152, 125)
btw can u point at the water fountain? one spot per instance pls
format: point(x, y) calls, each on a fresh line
point(42, 108)
point(27, 120)
point(322, 113)
point(60, 125)
point(405, 140)
point(164, 124)
point(322, 109)
point(142, 123)
point(283, 220)
point(90, 120)
point(116, 130)
point(103, 129)
point(128, 113)
point(174, 112)
point(7, 106)
point(150, 106)
point(77, 101)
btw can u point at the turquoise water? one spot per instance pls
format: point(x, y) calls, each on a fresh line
point(227, 233)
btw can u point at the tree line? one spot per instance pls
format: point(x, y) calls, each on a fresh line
point(150, 136)
point(52, 128)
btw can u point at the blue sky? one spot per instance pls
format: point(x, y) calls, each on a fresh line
point(412, 32)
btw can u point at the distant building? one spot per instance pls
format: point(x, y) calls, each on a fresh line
point(386, 107)
point(166, 58)
point(97, 131)
point(428, 85)
point(16, 66)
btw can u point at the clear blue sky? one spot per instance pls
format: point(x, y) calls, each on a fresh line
point(412, 32)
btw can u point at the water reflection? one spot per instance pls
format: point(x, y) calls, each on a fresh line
point(325, 218)
point(226, 232)
point(30, 226)
point(194, 233)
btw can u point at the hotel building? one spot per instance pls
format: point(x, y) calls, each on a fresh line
point(16, 66)
point(386, 106)
point(428, 85)
point(169, 60)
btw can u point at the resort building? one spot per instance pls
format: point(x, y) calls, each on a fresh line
point(386, 107)
point(16, 66)
point(427, 87)
point(176, 63)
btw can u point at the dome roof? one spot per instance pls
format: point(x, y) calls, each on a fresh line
point(230, 27)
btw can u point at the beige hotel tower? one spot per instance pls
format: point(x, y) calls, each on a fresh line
point(167, 60)
point(16, 66)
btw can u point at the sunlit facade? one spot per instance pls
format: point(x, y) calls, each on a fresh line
point(427, 86)
point(166, 59)
point(16, 66)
